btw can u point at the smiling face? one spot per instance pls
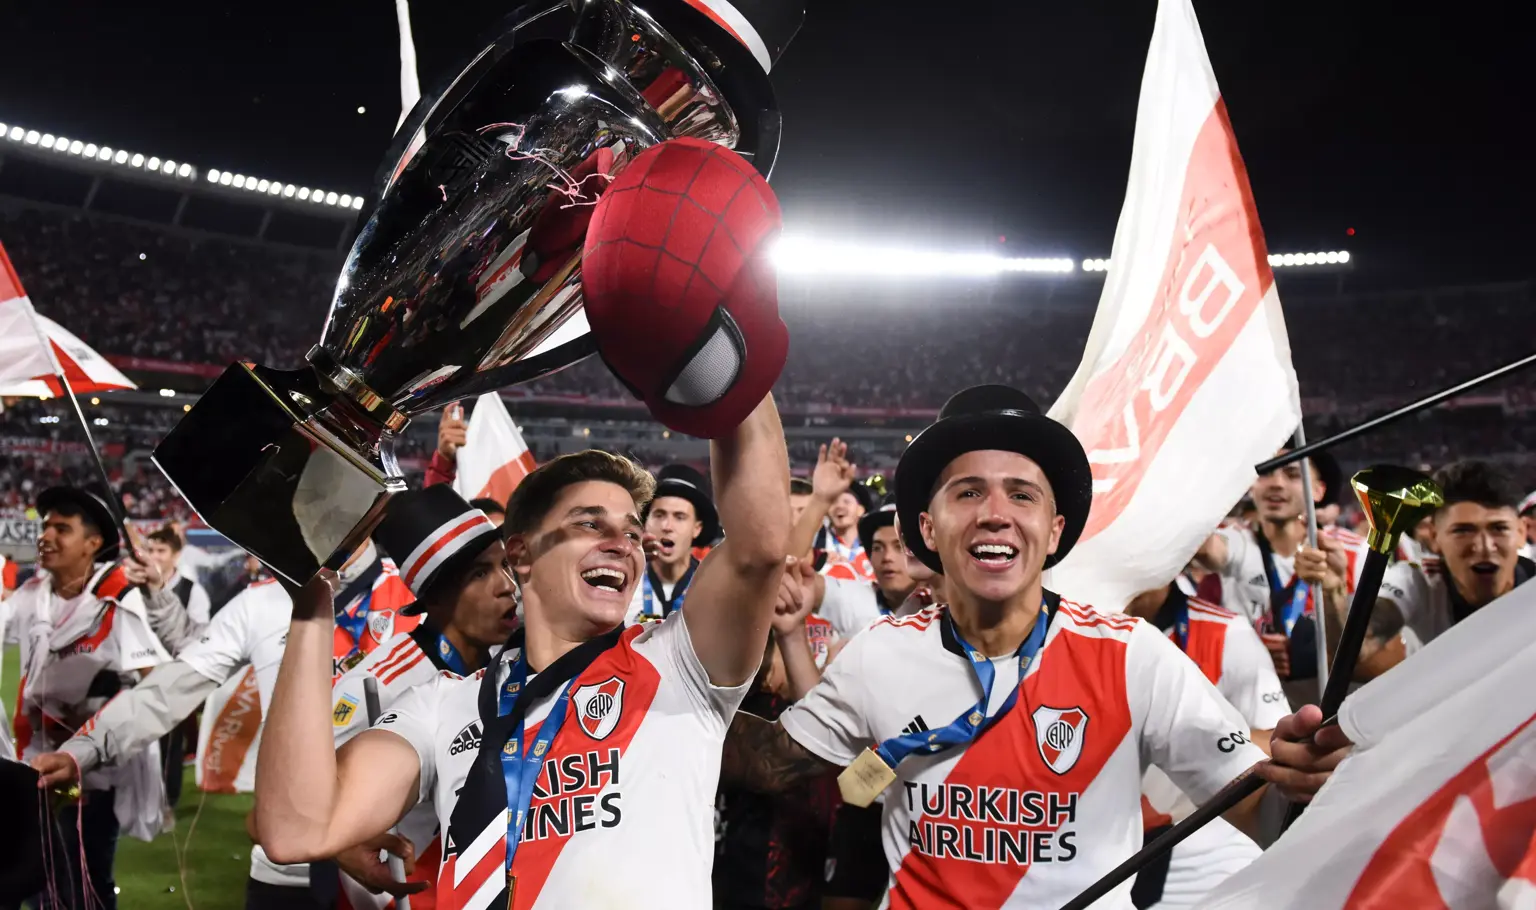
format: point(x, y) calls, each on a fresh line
point(845, 513)
point(578, 566)
point(1480, 546)
point(67, 543)
point(1278, 494)
point(992, 520)
point(674, 524)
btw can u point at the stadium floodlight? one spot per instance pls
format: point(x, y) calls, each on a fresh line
point(153, 164)
point(186, 170)
point(90, 150)
point(32, 137)
point(804, 256)
point(357, 202)
point(330, 198)
point(137, 160)
point(3, 130)
point(121, 157)
point(239, 181)
point(261, 186)
point(275, 188)
point(168, 168)
point(47, 141)
point(226, 178)
point(16, 133)
point(105, 154)
point(304, 192)
point(288, 190)
point(61, 144)
point(213, 175)
point(76, 147)
point(345, 201)
point(167, 393)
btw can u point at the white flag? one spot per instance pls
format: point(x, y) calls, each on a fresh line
point(494, 459)
point(35, 351)
point(1186, 381)
point(1436, 807)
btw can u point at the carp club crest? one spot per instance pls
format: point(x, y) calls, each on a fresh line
point(1059, 733)
point(598, 706)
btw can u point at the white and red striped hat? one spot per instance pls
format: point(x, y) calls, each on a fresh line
point(430, 534)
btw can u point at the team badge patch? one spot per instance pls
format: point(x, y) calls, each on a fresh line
point(346, 706)
point(380, 623)
point(1059, 732)
point(598, 706)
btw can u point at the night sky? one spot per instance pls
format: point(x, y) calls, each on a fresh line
point(905, 122)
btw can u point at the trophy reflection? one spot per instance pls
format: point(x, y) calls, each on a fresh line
point(466, 276)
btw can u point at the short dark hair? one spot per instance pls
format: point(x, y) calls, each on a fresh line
point(167, 536)
point(68, 509)
point(537, 492)
point(489, 506)
point(1477, 481)
point(799, 486)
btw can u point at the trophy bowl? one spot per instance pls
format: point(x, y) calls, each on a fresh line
point(466, 274)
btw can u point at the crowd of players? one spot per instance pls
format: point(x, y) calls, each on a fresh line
point(856, 655)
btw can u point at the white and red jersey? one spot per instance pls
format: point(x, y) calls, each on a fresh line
point(1046, 800)
point(633, 769)
point(822, 635)
point(1245, 587)
point(399, 665)
point(846, 561)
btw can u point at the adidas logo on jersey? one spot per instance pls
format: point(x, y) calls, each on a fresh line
point(467, 739)
point(918, 725)
point(1259, 580)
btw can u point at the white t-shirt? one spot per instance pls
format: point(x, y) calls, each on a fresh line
point(852, 605)
point(1422, 591)
point(632, 771)
point(101, 629)
point(399, 665)
point(198, 604)
point(1046, 801)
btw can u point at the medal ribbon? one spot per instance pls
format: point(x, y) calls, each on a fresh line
point(1287, 602)
point(679, 593)
point(969, 725)
point(522, 761)
point(451, 655)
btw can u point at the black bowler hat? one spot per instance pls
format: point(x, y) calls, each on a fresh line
point(994, 417)
point(870, 522)
point(431, 534)
point(91, 499)
point(22, 869)
point(687, 483)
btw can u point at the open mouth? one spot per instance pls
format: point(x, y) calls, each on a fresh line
point(666, 544)
point(609, 580)
point(994, 555)
point(1485, 568)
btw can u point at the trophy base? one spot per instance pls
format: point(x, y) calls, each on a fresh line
point(270, 459)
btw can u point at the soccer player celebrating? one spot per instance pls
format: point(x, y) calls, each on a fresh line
point(1478, 533)
point(556, 773)
point(680, 517)
point(1014, 725)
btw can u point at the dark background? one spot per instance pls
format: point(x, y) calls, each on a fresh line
point(953, 124)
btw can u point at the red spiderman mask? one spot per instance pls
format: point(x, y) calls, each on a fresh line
point(680, 295)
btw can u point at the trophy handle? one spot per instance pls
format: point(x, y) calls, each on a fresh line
point(536, 366)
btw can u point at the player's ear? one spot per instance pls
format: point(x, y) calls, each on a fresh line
point(519, 557)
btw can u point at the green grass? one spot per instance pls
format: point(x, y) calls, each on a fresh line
point(218, 853)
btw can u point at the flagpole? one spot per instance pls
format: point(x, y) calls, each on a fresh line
point(113, 503)
point(1318, 605)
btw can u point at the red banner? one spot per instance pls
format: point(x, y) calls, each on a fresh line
point(151, 365)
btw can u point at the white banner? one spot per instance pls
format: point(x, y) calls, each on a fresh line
point(1436, 807)
point(28, 366)
point(1186, 381)
point(494, 458)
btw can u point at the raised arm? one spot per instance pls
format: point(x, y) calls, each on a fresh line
point(795, 602)
point(310, 804)
point(759, 755)
point(831, 478)
point(732, 596)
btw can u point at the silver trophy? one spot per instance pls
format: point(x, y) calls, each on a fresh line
point(466, 275)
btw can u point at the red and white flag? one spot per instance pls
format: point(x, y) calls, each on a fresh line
point(1186, 381)
point(35, 351)
point(494, 459)
point(1436, 807)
